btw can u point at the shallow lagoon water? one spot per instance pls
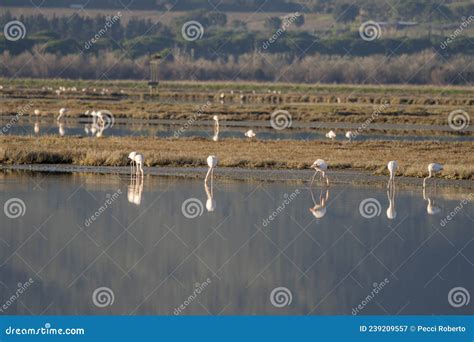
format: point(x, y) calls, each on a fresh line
point(79, 128)
point(153, 257)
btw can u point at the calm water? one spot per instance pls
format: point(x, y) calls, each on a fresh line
point(120, 129)
point(153, 258)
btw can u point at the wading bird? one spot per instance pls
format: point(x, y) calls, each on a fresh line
point(433, 168)
point(139, 164)
point(216, 128)
point(320, 166)
point(131, 156)
point(331, 135)
point(250, 134)
point(349, 135)
point(62, 111)
point(212, 163)
point(37, 112)
point(392, 168)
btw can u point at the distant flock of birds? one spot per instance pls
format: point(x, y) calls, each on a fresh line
point(98, 125)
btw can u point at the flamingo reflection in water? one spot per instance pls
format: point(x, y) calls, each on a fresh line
point(319, 208)
point(135, 190)
point(391, 211)
point(432, 208)
point(210, 203)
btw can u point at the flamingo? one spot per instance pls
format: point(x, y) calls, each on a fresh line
point(216, 128)
point(62, 111)
point(320, 166)
point(37, 112)
point(131, 156)
point(433, 168)
point(139, 163)
point(350, 135)
point(392, 168)
point(212, 163)
point(331, 135)
point(250, 134)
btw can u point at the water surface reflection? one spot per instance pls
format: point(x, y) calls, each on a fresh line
point(151, 256)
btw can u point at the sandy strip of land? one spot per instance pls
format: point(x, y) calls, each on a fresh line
point(302, 177)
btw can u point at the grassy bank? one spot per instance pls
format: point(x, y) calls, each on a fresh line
point(412, 157)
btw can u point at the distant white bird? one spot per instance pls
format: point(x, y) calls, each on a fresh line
point(331, 135)
point(212, 163)
point(349, 135)
point(62, 111)
point(433, 168)
point(250, 134)
point(392, 168)
point(131, 156)
point(216, 128)
point(37, 112)
point(320, 166)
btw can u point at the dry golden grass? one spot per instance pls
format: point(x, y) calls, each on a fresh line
point(413, 157)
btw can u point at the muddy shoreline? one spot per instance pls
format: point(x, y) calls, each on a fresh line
point(353, 177)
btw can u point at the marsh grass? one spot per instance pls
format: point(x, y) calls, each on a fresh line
point(413, 157)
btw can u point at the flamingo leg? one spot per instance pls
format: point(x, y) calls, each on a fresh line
point(207, 175)
point(314, 176)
